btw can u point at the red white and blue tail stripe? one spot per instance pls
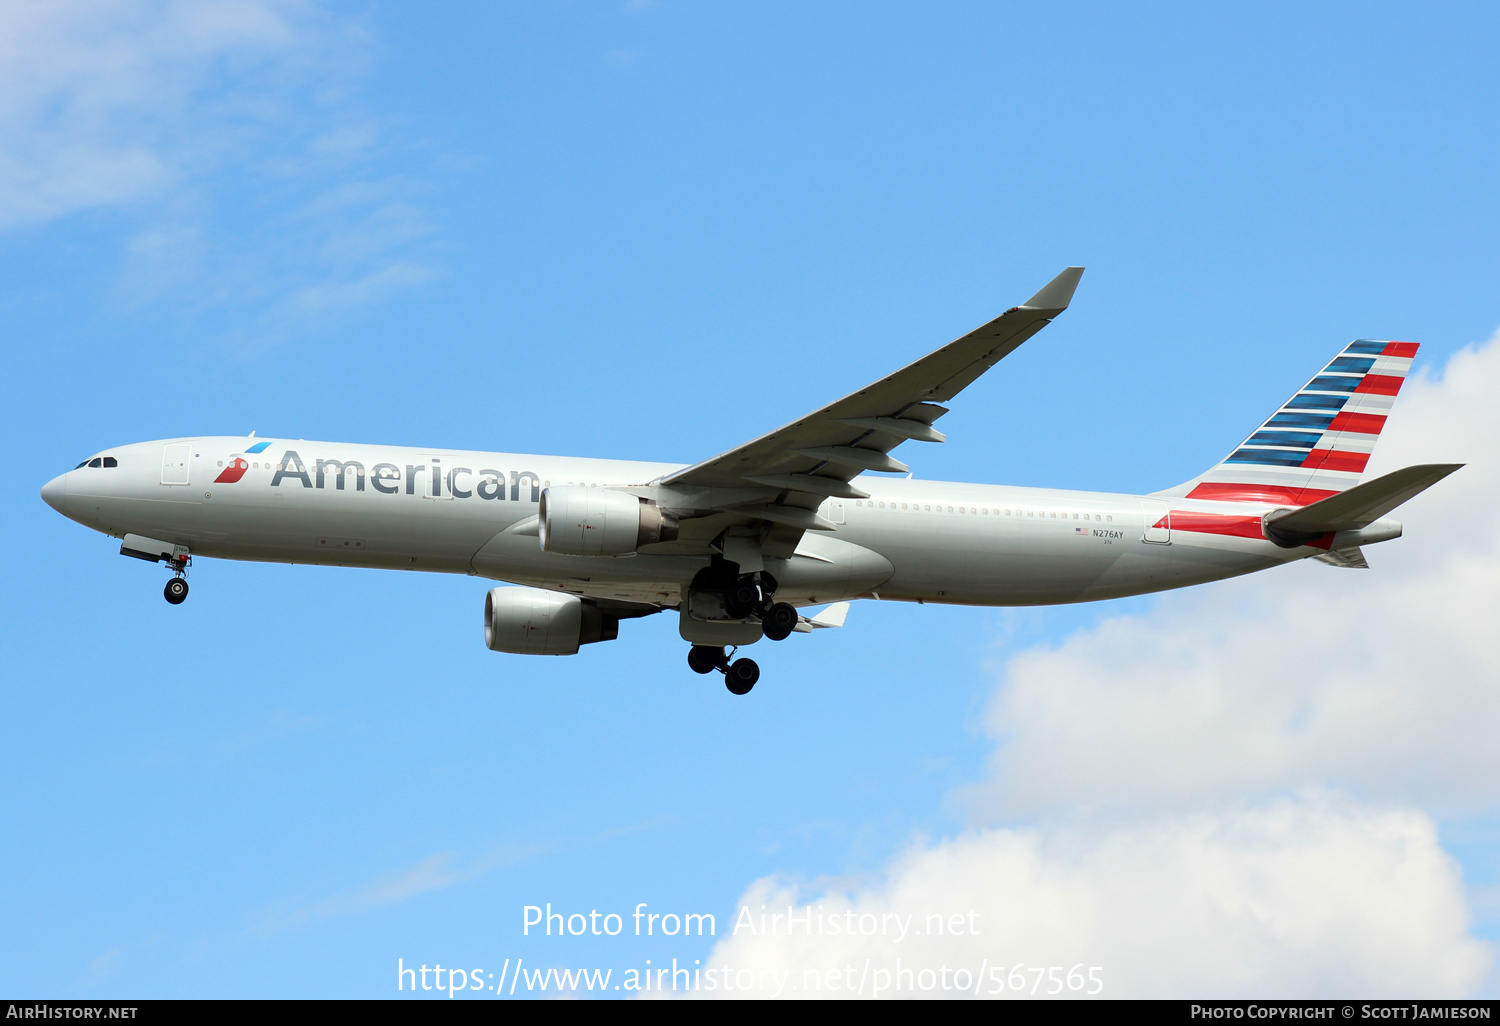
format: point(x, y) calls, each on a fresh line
point(1318, 443)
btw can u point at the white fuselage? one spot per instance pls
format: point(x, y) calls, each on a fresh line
point(475, 513)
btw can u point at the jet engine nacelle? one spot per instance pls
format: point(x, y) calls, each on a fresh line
point(530, 621)
point(579, 521)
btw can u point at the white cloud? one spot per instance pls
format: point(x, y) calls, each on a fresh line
point(1155, 755)
point(1305, 896)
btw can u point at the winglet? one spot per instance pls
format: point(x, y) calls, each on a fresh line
point(1057, 293)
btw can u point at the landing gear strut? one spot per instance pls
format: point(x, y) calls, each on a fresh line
point(177, 588)
point(753, 594)
point(739, 676)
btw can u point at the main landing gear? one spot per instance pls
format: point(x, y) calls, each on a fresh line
point(750, 595)
point(740, 597)
point(177, 588)
point(739, 676)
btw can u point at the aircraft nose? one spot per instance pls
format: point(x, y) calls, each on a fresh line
point(54, 491)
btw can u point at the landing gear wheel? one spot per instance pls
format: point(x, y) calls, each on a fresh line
point(779, 621)
point(741, 599)
point(176, 590)
point(705, 658)
point(741, 676)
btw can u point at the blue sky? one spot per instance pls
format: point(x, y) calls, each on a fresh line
point(652, 231)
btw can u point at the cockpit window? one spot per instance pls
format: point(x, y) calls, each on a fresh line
point(110, 461)
point(96, 462)
point(82, 465)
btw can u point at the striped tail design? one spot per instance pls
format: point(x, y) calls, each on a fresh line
point(1318, 443)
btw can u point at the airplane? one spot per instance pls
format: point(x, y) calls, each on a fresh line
point(742, 544)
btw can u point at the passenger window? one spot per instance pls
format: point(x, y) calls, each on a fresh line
point(110, 461)
point(96, 463)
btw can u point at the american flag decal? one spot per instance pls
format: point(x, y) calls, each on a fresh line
point(1084, 531)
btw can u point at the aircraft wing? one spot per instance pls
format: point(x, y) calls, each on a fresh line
point(815, 457)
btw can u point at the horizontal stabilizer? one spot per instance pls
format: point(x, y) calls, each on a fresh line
point(833, 616)
point(1363, 504)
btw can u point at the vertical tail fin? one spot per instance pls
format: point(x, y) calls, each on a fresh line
point(1318, 443)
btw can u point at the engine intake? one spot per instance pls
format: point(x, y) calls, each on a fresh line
point(530, 621)
point(577, 521)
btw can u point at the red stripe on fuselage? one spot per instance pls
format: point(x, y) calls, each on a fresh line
point(1235, 525)
point(1229, 524)
point(1228, 492)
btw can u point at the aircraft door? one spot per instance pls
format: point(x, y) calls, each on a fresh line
point(175, 463)
point(1158, 521)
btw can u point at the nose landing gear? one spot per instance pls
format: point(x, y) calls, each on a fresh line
point(739, 676)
